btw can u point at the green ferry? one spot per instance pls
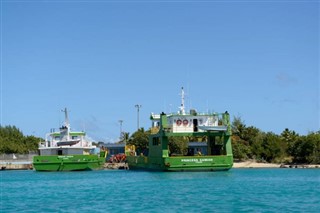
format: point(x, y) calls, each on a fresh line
point(214, 127)
point(67, 150)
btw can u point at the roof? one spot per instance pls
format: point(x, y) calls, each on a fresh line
point(114, 145)
point(198, 144)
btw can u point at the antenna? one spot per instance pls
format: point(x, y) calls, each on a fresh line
point(66, 122)
point(182, 109)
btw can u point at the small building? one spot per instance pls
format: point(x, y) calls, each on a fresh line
point(114, 148)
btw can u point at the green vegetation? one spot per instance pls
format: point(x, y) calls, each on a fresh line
point(251, 143)
point(247, 143)
point(178, 145)
point(13, 141)
point(288, 147)
point(140, 139)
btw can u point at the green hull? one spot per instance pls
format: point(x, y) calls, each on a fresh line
point(185, 163)
point(218, 155)
point(68, 162)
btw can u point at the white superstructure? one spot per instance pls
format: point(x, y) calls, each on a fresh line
point(66, 142)
point(193, 121)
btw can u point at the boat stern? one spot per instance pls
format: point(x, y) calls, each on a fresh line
point(198, 163)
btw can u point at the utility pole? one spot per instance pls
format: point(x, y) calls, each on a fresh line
point(138, 106)
point(120, 121)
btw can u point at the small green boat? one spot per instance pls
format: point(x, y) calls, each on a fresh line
point(214, 127)
point(68, 151)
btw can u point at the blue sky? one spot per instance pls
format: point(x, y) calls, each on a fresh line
point(256, 59)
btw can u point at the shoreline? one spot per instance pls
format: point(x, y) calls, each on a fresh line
point(253, 164)
point(236, 165)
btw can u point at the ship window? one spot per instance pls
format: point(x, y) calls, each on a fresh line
point(155, 141)
point(74, 137)
point(195, 125)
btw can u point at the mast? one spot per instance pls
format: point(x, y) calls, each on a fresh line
point(65, 133)
point(182, 109)
point(66, 118)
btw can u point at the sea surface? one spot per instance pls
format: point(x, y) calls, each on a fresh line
point(236, 190)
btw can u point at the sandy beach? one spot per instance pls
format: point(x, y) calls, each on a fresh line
point(253, 164)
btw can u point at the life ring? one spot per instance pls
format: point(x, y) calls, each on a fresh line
point(178, 122)
point(185, 122)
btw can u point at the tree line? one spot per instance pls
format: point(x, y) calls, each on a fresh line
point(249, 142)
point(288, 147)
point(12, 140)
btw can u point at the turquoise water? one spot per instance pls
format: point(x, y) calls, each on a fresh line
point(237, 190)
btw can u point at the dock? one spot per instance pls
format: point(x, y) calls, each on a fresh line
point(16, 165)
point(28, 166)
point(115, 166)
point(16, 161)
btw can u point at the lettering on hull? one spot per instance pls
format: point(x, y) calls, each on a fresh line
point(65, 156)
point(196, 160)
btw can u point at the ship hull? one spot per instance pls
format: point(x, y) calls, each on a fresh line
point(181, 163)
point(68, 162)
